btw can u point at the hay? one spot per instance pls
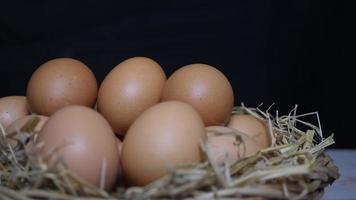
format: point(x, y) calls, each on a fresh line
point(294, 167)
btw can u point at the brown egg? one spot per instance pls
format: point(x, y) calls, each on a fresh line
point(11, 109)
point(119, 148)
point(84, 141)
point(226, 144)
point(119, 145)
point(164, 136)
point(130, 88)
point(252, 127)
point(18, 125)
point(61, 82)
point(120, 179)
point(205, 88)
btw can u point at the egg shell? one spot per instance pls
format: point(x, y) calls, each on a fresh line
point(84, 141)
point(129, 89)
point(229, 145)
point(164, 136)
point(11, 109)
point(119, 145)
point(19, 124)
point(120, 179)
point(61, 82)
point(252, 127)
point(119, 149)
point(205, 88)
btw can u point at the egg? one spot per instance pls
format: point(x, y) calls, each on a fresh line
point(119, 145)
point(119, 149)
point(11, 109)
point(228, 145)
point(252, 127)
point(120, 179)
point(61, 82)
point(84, 142)
point(205, 88)
point(129, 89)
point(164, 136)
point(19, 124)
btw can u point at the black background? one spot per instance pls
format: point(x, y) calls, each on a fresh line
point(287, 52)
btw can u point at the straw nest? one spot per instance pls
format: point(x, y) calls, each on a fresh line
point(294, 167)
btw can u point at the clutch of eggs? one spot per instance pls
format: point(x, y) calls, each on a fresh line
point(161, 121)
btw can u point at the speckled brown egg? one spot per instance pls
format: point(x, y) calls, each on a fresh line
point(85, 143)
point(19, 124)
point(130, 88)
point(205, 88)
point(252, 127)
point(164, 136)
point(61, 82)
point(11, 109)
point(228, 145)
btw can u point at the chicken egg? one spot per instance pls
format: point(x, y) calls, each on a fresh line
point(83, 141)
point(228, 145)
point(19, 124)
point(119, 149)
point(252, 127)
point(61, 82)
point(164, 136)
point(129, 89)
point(11, 109)
point(120, 179)
point(205, 88)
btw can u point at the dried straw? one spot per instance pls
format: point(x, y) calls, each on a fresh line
point(294, 167)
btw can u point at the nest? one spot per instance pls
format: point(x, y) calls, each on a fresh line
point(294, 167)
